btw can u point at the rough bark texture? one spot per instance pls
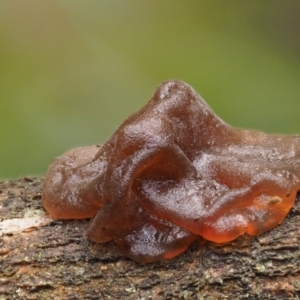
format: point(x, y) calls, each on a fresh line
point(45, 259)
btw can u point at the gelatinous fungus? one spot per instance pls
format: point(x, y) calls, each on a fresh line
point(174, 171)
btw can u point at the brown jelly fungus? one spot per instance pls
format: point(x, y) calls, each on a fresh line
point(174, 171)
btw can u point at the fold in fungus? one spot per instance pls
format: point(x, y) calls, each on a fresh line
point(174, 171)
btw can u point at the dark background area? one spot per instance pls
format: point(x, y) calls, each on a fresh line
point(72, 71)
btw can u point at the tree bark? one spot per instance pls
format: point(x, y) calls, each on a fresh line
point(41, 258)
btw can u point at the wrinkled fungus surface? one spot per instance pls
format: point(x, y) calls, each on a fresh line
point(174, 171)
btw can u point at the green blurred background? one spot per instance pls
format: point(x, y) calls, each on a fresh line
point(71, 71)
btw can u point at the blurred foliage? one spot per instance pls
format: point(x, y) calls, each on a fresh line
point(71, 71)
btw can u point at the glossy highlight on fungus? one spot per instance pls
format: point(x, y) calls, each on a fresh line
point(174, 171)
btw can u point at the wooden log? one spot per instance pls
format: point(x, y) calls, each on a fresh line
point(41, 258)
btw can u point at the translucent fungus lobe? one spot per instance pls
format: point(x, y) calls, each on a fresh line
point(174, 171)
